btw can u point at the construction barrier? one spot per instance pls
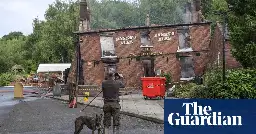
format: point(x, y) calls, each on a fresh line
point(18, 90)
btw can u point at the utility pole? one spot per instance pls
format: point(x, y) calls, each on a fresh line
point(224, 15)
point(224, 46)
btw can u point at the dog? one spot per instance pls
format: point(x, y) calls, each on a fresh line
point(93, 123)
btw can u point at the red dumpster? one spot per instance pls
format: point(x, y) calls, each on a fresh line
point(153, 87)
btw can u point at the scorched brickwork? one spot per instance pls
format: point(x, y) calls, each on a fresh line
point(128, 41)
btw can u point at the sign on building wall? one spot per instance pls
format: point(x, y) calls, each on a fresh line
point(126, 40)
point(164, 36)
point(107, 46)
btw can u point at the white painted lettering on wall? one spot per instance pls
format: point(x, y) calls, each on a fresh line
point(126, 40)
point(164, 36)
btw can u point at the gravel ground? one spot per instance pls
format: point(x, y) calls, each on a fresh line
point(47, 116)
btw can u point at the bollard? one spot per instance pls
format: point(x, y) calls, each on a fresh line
point(18, 90)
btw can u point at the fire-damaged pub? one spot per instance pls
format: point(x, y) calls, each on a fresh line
point(183, 50)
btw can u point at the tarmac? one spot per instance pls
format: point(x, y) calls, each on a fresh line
point(132, 104)
point(49, 116)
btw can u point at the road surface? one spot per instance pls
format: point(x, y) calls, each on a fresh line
point(47, 116)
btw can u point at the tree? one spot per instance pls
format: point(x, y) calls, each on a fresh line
point(11, 51)
point(210, 7)
point(242, 26)
point(13, 35)
point(51, 40)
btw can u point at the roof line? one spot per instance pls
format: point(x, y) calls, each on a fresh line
point(140, 28)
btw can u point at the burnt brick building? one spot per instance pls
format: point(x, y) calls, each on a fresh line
point(185, 50)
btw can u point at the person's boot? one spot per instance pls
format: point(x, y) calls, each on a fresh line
point(116, 130)
point(106, 130)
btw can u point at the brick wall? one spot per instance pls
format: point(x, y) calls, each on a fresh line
point(200, 41)
point(216, 47)
point(231, 62)
point(91, 50)
point(168, 63)
point(132, 70)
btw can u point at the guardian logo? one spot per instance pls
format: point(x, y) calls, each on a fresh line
point(201, 116)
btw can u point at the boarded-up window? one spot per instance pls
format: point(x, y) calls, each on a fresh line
point(107, 46)
point(187, 67)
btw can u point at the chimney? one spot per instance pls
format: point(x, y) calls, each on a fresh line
point(197, 16)
point(188, 14)
point(84, 16)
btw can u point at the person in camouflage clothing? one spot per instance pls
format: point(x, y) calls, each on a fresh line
point(111, 108)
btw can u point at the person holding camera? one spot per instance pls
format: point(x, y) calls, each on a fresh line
point(111, 87)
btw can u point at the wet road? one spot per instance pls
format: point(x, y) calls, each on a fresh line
point(47, 116)
point(7, 102)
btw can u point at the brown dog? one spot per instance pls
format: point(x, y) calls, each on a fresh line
point(93, 123)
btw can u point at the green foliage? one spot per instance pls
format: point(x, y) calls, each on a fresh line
point(240, 84)
point(52, 39)
point(11, 53)
point(183, 91)
point(211, 6)
point(168, 77)
point(13, 35)
point(242, 25)
point(243, 40)
point(190, 90)
point(5, 79)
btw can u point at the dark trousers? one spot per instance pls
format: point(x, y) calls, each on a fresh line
point(111, 109)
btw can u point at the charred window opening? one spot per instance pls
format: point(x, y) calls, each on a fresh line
point(148, 67)
point(145, 38)
point(184, 39)
point(107, 45)
point(187, 68)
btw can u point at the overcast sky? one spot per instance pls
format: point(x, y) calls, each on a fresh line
point(17, 15)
